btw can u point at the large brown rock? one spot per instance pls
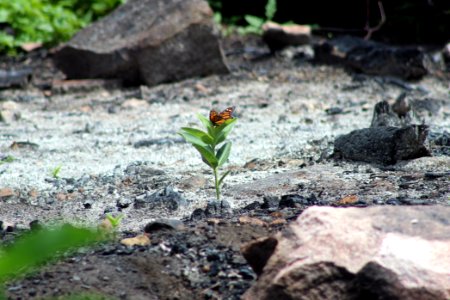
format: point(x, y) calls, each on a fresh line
point(359, 253)
point(150, 41)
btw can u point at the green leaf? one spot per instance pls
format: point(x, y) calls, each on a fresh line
point(207, 155)
point(114, 221)
point(254, 21)
point(205, 137)
point(194, 140)
point(223, 131)
point(217, 18)
point(7, 159)
point(207, 123)
point(223, 153)
point(271, 9)
point(56, 171)
point(223, 177)
point(4, 15)
point(41, 246)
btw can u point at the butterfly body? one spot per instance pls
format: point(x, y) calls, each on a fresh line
point(217, 118)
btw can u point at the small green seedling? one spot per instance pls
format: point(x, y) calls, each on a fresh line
point(7, 159)
point(218, 127)
point(55, 171)
point(114, 221)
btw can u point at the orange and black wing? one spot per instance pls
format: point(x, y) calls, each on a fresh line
point(215, 117)
point(220, 118)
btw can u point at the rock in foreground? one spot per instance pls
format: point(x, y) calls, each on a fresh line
point(146, 41)
point(354, 253)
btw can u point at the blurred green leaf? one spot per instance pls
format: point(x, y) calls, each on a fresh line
point(254, 21)
point(217, 18)
point(48, 21)
point(271, 9)
point(42, 246)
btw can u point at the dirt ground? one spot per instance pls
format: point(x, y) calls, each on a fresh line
point(117, 146)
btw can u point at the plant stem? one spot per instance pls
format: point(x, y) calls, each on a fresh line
point(216, 181)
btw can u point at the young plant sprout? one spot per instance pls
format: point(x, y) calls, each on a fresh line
point(218, 127)
point(114, 221)
point(55, 171)
point(6, 159)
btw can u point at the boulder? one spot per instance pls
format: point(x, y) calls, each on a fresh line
point(146, 41)
point(357, 253)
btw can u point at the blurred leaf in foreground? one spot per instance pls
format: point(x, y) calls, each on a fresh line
point(38, 247)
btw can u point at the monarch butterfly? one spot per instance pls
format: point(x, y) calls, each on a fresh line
point(220, 118)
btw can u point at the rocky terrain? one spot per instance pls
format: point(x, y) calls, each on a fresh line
point(118, 152)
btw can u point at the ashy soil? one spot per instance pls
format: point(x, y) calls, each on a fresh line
point(119, 153)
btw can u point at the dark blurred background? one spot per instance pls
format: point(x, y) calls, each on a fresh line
point(407, 21)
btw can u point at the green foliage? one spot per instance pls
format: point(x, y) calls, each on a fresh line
point(56, 171)
point(207, 142)
point(255, 23)
point(39, 247)
point(47, 21)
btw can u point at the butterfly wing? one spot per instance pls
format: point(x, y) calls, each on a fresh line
point(215, 117)
point(220, 118)
point(227, 113)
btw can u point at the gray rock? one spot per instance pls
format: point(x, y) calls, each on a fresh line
point(383, 116)
point(270, 202)
point(164, 224)
point(383, 145)
point(374, 58)
point(123, 202)
point(217, 208)
point(166, 197)
point(15, 78)
point(150, 41)
point(354, 253)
